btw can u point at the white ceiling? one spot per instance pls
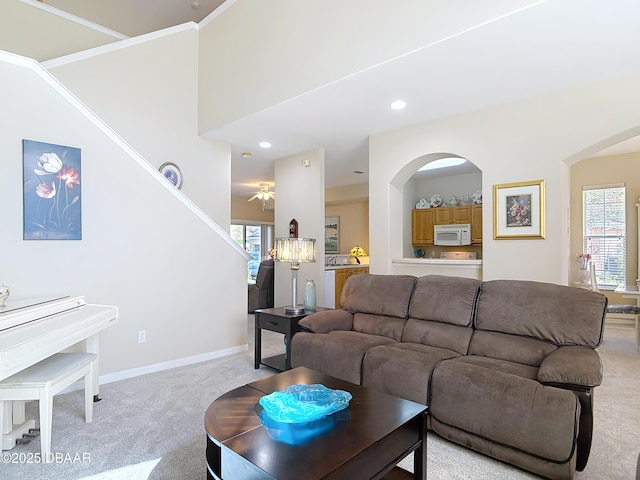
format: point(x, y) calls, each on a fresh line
point(554, 44)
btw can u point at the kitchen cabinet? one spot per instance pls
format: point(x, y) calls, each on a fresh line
point(460, 214)
point(476, 224)
point(422, 222)
point(341, 277)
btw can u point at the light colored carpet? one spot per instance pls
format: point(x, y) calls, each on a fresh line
point(151, 427)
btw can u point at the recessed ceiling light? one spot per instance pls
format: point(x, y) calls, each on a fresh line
point(442, 163)
point(265, 144)
point(246, 154)
point(398, 105)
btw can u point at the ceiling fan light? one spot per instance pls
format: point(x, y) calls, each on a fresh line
point(263, 194)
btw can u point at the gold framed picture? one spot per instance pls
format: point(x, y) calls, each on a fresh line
point(518, 210)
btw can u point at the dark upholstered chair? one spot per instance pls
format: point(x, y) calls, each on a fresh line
point(261, 293)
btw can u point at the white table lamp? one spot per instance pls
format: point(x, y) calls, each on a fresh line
point(295, 251)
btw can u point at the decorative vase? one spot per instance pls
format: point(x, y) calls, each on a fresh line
point(4, 294)
point(583, 276)
point(310, 295)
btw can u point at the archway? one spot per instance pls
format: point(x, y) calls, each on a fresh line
point(454, 184)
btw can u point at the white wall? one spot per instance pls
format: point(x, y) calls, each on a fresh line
point(145, 248)
point(300, 196)
point(528, 140)
point(147, 90)
point(267, 45)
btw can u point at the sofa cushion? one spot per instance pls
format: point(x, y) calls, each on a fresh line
point(505, 409)
point(555, 313)
point(387, 295)
point(436, 334)
point(337, 353)
point(503, 366)
point(378, 325)
point(513, 348)
point(441, 312)
point(402, 369)
point(444, 299)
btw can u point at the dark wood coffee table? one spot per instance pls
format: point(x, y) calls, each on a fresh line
point(367, 441)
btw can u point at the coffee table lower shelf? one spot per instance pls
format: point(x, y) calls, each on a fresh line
point(397, 473)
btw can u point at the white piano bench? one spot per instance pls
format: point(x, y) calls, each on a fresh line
point(44, 380)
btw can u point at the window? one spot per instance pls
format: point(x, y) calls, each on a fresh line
point(256, 240)
point(604, 232)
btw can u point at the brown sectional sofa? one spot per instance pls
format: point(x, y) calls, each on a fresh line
point(507, 367)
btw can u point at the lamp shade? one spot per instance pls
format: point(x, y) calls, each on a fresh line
point(295, 250)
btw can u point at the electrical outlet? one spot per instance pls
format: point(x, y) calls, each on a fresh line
point(142, 336)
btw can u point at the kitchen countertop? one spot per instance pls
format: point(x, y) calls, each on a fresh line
point(435, 261)
point(349, 265)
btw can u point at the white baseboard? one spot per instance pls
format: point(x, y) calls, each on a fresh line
point(159, 367)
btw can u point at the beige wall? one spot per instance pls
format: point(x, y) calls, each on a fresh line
point(23, 30)
point(354, 224)
point(351, 204)
point(244, 211)
point(616, 169)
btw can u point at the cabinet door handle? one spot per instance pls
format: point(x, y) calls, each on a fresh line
point(272, 323)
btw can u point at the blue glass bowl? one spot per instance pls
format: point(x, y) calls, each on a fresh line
point(304, 403)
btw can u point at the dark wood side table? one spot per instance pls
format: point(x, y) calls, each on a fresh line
point(277, 320)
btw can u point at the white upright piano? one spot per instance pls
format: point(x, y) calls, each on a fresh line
point(36, 328)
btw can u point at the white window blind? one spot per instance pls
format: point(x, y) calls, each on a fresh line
point(604, 232)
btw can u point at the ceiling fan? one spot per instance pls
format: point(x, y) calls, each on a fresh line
point(264, 194)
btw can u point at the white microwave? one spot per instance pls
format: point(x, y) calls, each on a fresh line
point(452, 234)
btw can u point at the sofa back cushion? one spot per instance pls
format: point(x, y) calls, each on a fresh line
point(444, 299)
point(379, 303)
point(386, 295)
point(436, 334)
point(381, 325)
point(553, 313)
point(441, 312)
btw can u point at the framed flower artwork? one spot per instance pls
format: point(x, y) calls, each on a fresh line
point(518, 210)
point(52, 191)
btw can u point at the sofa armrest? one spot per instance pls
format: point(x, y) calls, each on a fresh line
point(326, 321)
point(571, 366)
